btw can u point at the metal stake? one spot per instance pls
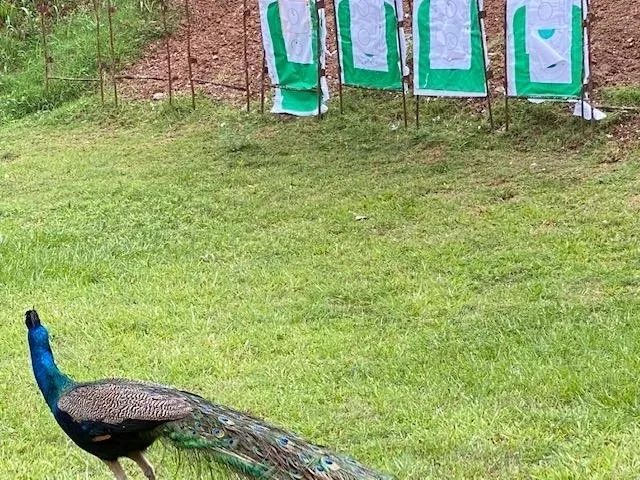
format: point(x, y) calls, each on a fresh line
point(45, 47)
point(481, 16)
point(399, 25)
point(335, 31)
point(590, 78)
point(96, 8)
point(245, 14)
point(166, 43)
point(110, 11)
point(319, 5)
point(189, 59)
point(583, 72)
point(413, 64)
point(264, 70)
point(506, 71)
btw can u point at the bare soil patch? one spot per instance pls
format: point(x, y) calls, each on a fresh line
point(217, 47)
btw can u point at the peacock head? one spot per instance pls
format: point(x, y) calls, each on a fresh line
point(49, 378)
point(38, 334)
point(32, 319)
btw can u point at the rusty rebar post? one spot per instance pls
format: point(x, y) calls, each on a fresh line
point(506, 70)
point(589, 57)
point(399, 26)
point(583, 70)
point(190, 59)
point(413, 65)
point(338, 58)
point(245, 15)
point(262, 74)
point(111, 9)
point(42, 8)
point(96, 7)
point(319, 5)
point(168, 50)
point(481, 16)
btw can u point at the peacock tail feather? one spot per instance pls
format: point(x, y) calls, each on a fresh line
point(255, 448)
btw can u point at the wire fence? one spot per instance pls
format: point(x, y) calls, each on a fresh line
point(108, 72)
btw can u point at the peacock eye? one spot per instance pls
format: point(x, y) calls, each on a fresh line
point(218, 433)
point(232, 442)
point(329, 464)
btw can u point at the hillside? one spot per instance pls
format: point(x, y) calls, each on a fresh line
point(217, 46)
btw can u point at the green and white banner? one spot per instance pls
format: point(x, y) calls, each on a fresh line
point(370, 50)
point(449, 44)
point(289, 35)
point(545, 54)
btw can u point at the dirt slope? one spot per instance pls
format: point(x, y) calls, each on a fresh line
point(217, 47)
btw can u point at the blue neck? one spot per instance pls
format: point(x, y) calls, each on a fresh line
point(50, 380)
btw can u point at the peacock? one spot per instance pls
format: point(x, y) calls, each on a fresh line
point(116, 418)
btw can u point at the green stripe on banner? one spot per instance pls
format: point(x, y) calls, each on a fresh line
point(447, 81)
point(352, 75)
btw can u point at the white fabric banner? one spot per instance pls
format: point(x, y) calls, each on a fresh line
point(296, 29)
point(449, 48)
point(290, 30)
point(450, 34)
point(368, 29)
point(549, 40)
point(543, 37)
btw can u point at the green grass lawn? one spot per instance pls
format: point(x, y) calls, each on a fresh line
point(441, 303)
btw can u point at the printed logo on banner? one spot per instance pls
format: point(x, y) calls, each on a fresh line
point(295, 18)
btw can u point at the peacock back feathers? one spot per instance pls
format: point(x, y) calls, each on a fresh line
point(115, 401)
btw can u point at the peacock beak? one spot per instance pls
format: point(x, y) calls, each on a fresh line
point(31, 319)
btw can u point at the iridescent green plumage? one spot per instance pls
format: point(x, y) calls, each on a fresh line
point(117, 418)
point(249, 444)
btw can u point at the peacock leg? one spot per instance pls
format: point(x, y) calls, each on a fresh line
point(144, 464)
point(116, 468)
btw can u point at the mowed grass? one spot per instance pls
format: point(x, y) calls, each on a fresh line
point(440, 303)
